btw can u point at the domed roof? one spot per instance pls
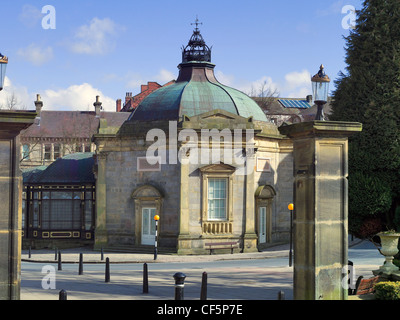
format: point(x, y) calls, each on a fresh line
point(196, 91)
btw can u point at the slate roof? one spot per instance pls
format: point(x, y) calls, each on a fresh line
point(75, 168)
point(277, 108)
point(75, 124)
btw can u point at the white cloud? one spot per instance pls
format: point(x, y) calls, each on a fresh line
point(164, 76)
point(334, 8)
point(96, 38)
point(30, 15)
point(297, 84)
point(76, 97)
point(13, 94)
point(225, 79)
point(135, 80)
point(251, 88)
point(35, 54)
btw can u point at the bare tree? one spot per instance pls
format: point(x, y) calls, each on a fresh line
point(264, 95)
point(12, 103)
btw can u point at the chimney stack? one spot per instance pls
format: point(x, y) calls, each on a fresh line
point(119, 104)
point(128, 97)
point(38, 105)
point(97, 106)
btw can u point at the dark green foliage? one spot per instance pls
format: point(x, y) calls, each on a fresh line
point(370, 93)
point(389, 290)
point(370, 195)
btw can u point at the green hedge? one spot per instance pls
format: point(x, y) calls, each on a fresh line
point(387, 290)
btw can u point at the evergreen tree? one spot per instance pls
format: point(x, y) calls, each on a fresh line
point(369, 93)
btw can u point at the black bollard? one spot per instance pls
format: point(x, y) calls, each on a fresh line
point(107, 270)
point(101, 254)
point(203, 293)
point(55, 253)
point(80, 264)
point(62, 295)
point(59, 261)
point(145, 279)
point(179, 285)
point(30, 255)
point(281, 295)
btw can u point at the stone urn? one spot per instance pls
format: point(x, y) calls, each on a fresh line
point(389, 241)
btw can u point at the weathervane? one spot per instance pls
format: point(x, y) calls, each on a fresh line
point(197, 23)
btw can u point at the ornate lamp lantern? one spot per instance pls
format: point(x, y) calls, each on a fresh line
point(3, 66)
point(320, 87)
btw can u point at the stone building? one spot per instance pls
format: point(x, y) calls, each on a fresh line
point(201, 155)
point(58, 133)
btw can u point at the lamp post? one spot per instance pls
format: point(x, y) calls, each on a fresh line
point(3, 67)
point(156, 218)
point(320, 87)
point(291, 208)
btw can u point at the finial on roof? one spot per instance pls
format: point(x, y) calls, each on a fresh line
point(197, 23)
point(196, 50)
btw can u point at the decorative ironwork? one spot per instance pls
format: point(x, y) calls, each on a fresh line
point(196, 50)
point(321, 76)
point(3, 59)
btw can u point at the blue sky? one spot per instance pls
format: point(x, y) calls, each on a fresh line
point(108, 48)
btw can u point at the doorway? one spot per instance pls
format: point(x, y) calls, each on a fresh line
point(262, 235)
point(148, 226)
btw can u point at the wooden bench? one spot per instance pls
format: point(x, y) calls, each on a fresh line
point(365, 286)
point(221, 245)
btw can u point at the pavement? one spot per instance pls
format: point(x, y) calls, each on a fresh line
point(232, 278)
point(90, 256)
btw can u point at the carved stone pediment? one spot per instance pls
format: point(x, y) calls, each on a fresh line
point(218, 119)
point(147, 192)
point(218, 168)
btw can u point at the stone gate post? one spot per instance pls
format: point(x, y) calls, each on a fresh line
point(11, 124)
point(320, 153)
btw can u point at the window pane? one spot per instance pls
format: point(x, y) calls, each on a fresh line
point(153, 222)
point(76, 214)
point(46, 214)
point(35, 214)
point(88, 214)
point(57, 151)
point(217, 198)
point(88, 195)
point(61, 195)
point(61, 215)
point(47, 152)
point(25, 152)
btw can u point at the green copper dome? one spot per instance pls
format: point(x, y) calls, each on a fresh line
point(196, 91)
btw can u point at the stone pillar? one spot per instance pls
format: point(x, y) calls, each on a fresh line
point(184, 240)
point(320, 151)
point(11, 123)
point(100, 234)
point(250, 237)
